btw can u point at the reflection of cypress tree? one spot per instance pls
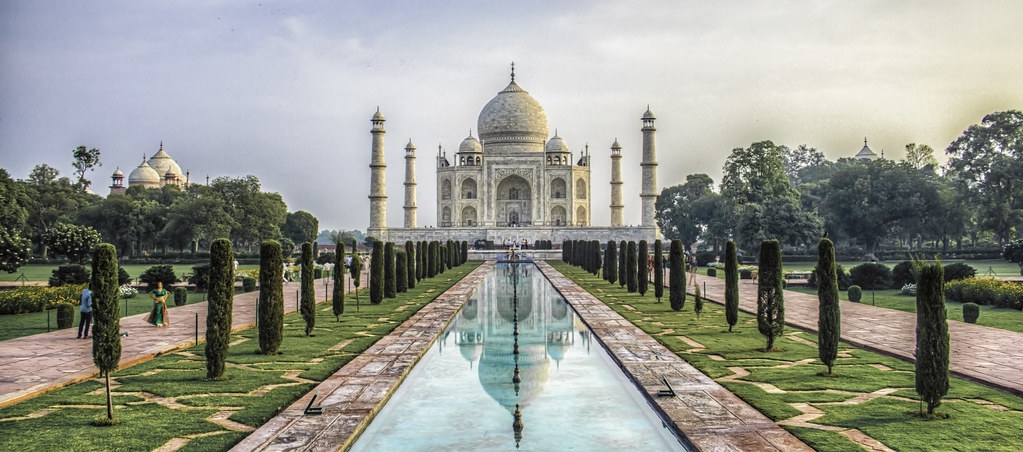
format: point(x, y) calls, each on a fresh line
point(623, 262)
point(630, 266)
point(106, 333)
point(641, 276)
point(271, 297)
point(931, 336)
point(829, 325)
point(338, 292)
point(308, 303)
point(731, 285)
point(658, 269)
point(612, 261)
point(400, 271)
point(410, 264)
point(770, 298)
point(219, 308)
point(390, 275)
point(677, 276)
point(376, 273)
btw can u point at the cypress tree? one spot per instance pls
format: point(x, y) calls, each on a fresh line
point(442, 251)
point(106, 333)
point(642, 278)
point(731, 285)
point(420, 261)
point(355, 270)
point(658, 269)
point(604, 266)
point(630, 266)
point(566, 251)
point(376, 273)
point(308, 288)
point(465, 251)
point(595, 257)
point(612, 261)
point(623, 262)
point(270, 315)
point(390, 275)
point(338, 292)
point(410, 264)
point(400, 271)
point(932, 347)
point(434, 251)
point(219, 308)
point(677, 276)
point(697, 302)
point(451, 254)
point(770, 297)
point(829, 324)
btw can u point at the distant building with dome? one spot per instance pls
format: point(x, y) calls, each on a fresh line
point(865, 153)
point(158, 171)
point(515, 183)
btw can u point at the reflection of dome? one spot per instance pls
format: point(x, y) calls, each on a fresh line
point(470, 145)
point(165, 165)
point(470, 345)
point(497, 368)
point(513, 120)
point(144, 176)
point(560, 309)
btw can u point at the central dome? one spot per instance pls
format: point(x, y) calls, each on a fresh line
point(512, 121)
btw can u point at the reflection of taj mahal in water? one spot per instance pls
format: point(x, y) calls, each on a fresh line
point(514, 182)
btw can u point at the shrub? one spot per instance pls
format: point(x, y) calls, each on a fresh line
point(770, 296)
point(126, 291)
point(159, 273)
point(325, 258)
point(731, 285)
point(745, 273)
point(959, 270)
point(200, 276)
point(69, 274)
point(902, 274)
point(704, 257)
point(65, 315)
point(308, 289)
point(338, 289)
point(317, 272)
point(712, 272)
point(909, 289)
point(180, 296)
point(270, 315)
point(676, 276)
point(986, 291)
point(122, 277)
point(36, 299)
point(971, 311)
point(871, 276)
point(855, 294)
point(248, 283)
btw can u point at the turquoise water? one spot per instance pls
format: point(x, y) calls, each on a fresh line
point(463, 394)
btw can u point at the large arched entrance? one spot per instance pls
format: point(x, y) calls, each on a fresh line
point(514, 202)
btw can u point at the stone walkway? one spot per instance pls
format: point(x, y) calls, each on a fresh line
point(40, 363)
point(986, 355)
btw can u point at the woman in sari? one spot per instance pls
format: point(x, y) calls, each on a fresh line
point(158, 316)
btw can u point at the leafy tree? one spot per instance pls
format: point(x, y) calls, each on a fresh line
point(630, 267)
point(196, 219)
point(1013, 252)
point(920, 156)
point(987, 160)
point(400, 271)
point(14, 250)
point(259, 214)
point(411, 264)
point(15, 246)
point(770, 296)
point(612, 261)
point(731, 285)
point(376, 274)
point(782, 218)
point(658, 269)
point(106, 334)
point(85, 160)
point(932, 348)
point(287, 248)
point(300, 227)
point(338, 292)
point(52, 201)
point(270, 315)
point(676, 276)
point(829, 317)
point(220, 307)
point(308, 288)
point(800, 163)
point(678, 212)
point(642, 277)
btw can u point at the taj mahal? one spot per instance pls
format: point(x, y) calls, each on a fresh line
point(514, 182)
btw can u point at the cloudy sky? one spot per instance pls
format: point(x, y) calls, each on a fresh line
point(285, 90)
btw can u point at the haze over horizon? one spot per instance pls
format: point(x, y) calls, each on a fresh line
point(285, 90)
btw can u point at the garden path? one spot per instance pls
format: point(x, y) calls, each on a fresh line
point(40, 363)
point(987, 355)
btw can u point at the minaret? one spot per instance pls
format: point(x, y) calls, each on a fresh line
point(377, 186)
point(410, 185)
point(648, 191)
point(616, 186)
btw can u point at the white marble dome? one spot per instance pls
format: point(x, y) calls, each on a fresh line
point(557, 144)
point(513, 121)
point(164, 164)
point(144, 176)
point(470, 145)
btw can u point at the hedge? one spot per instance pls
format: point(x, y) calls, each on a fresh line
point(986, 291)
point(36, 299)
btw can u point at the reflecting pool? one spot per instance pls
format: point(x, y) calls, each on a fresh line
point(516, 368)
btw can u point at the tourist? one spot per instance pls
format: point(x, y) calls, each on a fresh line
point(86, 313)
point(693, 265)
point(158, 316)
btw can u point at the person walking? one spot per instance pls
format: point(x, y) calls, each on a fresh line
point(158, 316)
point(86, 313)
point(693, 266)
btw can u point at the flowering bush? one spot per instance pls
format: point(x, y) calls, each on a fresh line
point(989, 291)
point(909, 289)
point(36, 299)
point(127, 291)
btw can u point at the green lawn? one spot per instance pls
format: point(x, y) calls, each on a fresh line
point(998, 267)
point(168, 397)
point(39, 272)
point(981, 418)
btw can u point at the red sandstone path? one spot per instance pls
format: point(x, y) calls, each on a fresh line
point(40, 363)
point(987, 355)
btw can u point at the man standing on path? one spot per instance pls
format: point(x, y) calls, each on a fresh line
point(86, 320)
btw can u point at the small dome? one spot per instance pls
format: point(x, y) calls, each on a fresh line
point(513, 117)
point(615, 145)
point(144, 176)
point(118, 173)
point(557, 144)
point(648, 114)
point(865, 153)
point(378, 116)
point(470, 145)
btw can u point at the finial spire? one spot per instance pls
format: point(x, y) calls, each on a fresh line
point(864, 141)
point(513, 72)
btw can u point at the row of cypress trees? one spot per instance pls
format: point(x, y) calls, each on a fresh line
point(394, 271)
